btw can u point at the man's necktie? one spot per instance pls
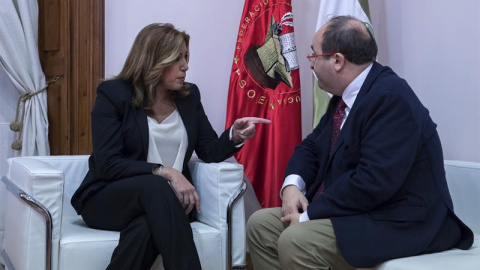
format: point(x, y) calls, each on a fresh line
point(337, 123)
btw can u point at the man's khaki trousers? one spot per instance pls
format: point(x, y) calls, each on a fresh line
point(307, 245)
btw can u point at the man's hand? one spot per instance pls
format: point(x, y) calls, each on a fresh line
point(186, 193)
point(293, 200)
point(291, 218)
point(244, 128)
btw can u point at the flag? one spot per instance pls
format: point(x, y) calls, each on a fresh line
point(329, 9)
point(265, 82)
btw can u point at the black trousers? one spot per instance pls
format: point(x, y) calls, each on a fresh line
point(150, 219)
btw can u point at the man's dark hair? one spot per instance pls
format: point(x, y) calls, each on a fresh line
point(357, 44)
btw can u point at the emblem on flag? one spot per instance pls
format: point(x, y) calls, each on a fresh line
point(265, 82)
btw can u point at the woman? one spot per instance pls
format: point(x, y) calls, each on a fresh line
point(146, 123)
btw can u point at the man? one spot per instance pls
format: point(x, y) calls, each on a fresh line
point(368, 184)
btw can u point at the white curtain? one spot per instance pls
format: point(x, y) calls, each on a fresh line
point(19, 57)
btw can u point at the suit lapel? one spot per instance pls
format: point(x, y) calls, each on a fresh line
point(140, 117)
point(186, 114)
point(371, 77)
point(141, 120)
point(367, 84)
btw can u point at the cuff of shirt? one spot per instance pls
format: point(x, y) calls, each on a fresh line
point(238, 145)
point(296, 180)
point(303, 217)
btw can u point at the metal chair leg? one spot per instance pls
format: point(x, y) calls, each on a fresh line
point(231, 204)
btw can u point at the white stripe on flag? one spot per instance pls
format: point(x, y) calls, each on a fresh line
point(329, 9)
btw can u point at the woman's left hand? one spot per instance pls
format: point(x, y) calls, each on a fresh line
point(185, 191)
point(244, 128)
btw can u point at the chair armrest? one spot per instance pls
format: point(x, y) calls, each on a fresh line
point(217, 185)
point(25, 226)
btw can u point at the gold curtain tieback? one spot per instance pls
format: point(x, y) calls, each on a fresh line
point(17, 124)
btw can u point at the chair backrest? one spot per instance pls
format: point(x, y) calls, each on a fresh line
point(74, 169)
point(463, 180)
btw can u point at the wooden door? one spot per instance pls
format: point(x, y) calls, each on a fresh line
point(71, 46)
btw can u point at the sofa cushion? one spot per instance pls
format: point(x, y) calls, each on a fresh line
point(84, 248)
point(463, 180)
point(448, 260)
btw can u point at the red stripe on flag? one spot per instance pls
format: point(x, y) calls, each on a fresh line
point(265, 82)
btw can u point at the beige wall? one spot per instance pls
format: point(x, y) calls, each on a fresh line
point(435, 46)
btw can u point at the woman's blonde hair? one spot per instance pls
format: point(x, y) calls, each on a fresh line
point(155, 48)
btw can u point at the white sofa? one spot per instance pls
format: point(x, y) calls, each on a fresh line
point(51, 181)
point(463, 180)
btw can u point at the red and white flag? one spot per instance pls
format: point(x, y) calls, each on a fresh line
point(265, 82)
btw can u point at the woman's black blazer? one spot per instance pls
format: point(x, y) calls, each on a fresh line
point(120, 137)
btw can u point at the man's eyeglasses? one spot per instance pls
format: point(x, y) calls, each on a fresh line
point(312, 57)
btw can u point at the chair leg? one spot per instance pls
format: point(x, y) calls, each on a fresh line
point(7, 261)
point(249, 262)
point(231, 204)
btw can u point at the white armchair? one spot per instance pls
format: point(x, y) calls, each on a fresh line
point(38, 212)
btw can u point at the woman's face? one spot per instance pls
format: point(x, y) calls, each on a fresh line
point(174, 76)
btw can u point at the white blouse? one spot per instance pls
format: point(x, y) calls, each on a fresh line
point(167, 141)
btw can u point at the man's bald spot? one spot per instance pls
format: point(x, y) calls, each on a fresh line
point(352, 23)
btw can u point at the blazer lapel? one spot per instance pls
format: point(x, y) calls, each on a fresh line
point(367, 84)
point(141, 120)
point(186, 114)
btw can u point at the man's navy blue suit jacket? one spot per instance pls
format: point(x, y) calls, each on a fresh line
point(385, 188)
